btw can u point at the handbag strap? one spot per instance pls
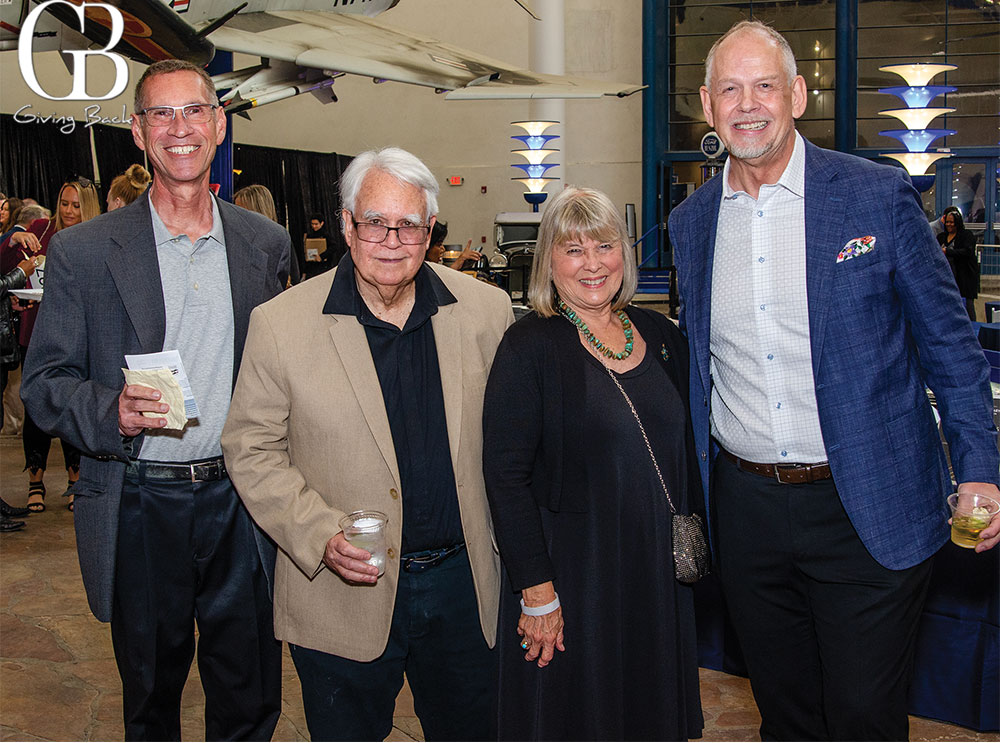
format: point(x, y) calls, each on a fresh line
point(645, 438)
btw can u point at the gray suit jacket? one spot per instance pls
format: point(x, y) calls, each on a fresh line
point(103, 299)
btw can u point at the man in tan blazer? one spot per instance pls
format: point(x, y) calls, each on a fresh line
point(363, 389)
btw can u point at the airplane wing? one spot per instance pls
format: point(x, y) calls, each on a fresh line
point(338, 42)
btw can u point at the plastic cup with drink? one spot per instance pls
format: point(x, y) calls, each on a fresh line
point(970, 514)
point(366, 530)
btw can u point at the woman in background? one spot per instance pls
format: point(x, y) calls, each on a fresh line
point(436, 249)
point(959, 246)
point(9, 209)
point(128, 187)
point(15, 279)
point(78, 202)
point(257, 198)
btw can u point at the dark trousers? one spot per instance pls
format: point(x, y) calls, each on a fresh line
point(37, 444)
point(970, 307)
point(4, 374)
point(436, 639)
point(186, 554)
point(827, 633)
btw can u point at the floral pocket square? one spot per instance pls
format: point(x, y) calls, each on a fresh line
point(857, 246)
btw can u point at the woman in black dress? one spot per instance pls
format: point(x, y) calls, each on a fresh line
point(959, 245)
point(578, 507)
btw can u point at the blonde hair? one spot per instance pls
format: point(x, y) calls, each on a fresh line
point(258, 199)
point(573, 214)
point(90, 203)
point(130, 185)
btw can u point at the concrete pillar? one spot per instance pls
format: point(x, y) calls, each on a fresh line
point(548, 54)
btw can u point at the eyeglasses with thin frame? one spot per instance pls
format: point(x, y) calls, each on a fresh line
point(193, 113)
point(407, 234)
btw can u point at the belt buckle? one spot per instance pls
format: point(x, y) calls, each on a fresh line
point(191, 470)
point(778, 470)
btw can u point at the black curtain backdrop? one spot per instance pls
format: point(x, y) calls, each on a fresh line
point(263, 166)
point(36, 159)
point(116, 151)
point(301, 183)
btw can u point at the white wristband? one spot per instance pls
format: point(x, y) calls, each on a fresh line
point(538, 611)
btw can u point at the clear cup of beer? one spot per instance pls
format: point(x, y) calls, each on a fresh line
point(970, 514)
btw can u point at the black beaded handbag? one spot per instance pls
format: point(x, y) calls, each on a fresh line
point(691, 560)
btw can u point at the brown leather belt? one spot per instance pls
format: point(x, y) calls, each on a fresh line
point(786, 474)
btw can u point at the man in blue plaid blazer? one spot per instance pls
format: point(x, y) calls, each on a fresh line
point(818, 308)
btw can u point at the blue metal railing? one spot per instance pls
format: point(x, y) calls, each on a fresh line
point(656, 279)
point(989, 259)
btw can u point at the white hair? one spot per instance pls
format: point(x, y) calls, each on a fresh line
point(398, 163)
point(761, 29)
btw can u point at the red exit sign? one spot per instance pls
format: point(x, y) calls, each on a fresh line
point(455, 180)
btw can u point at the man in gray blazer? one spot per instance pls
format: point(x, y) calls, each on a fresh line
point(162, 536)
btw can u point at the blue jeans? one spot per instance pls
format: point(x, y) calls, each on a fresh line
point(436, 639)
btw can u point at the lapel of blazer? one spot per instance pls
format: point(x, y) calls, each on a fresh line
point(247, 268)
point(448, 341)
point(352, 346)
point(697, 305)
point(135, 270)
point(825, 208)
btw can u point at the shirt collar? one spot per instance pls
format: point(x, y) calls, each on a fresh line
point(163, 235)
point(793, 179)
point(345, 299)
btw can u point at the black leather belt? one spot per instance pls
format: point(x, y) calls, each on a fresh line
point(417, 562)
point(786, 474)
point(206, 470)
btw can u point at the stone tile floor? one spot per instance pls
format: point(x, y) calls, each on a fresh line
point(58, 679)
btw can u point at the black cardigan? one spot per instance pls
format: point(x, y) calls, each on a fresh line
point(523, 432)
point(961, 255)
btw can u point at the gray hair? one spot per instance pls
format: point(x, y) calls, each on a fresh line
point(31, 212)
point(579, 213)
point(761, 29)
point(400, 164)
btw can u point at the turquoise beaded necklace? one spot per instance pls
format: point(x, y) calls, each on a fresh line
point(593, 340)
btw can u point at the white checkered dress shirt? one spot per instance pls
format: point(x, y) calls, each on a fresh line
point(763, 398)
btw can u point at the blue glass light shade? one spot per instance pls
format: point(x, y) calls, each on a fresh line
point(918, 97)
point(535, 142)
point(917, 140)
point(534, 171)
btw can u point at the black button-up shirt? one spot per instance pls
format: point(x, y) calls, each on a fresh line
point(407, 365)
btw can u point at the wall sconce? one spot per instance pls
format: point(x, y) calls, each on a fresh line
point(916, 94)
point(534, 149)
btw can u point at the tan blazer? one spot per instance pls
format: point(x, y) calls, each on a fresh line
point(307, 440)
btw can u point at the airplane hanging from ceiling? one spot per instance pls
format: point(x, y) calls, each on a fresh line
point(304, 46)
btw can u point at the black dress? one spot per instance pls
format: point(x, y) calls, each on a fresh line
point(629, 671)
